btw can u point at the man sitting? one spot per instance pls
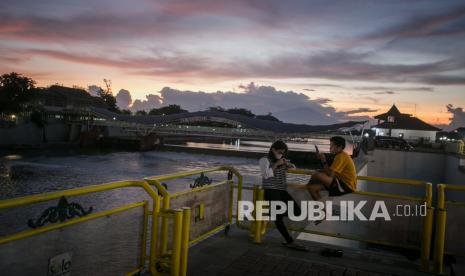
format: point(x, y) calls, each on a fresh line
point(338, 179)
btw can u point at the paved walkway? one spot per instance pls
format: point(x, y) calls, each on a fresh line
point(235, 254)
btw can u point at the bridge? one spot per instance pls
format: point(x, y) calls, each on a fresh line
point(229, 125)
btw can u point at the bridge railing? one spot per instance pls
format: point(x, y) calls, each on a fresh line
point(449, 224)
point(165, 128)
point(86, 232)
point(396, 233)
point(210, 207)
point(210, 214)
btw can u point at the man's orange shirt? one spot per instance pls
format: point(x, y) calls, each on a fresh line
point(344, 169)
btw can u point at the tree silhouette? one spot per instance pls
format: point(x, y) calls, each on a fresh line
point(241, 111)
point(268, 117)
point(15, 92)
point(109, 99)
point(166, 110)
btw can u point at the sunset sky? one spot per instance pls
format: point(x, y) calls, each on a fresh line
point(347, 57)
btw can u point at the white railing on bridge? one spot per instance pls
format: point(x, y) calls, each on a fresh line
point(170, 129)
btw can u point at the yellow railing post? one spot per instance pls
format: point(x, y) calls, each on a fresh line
point(164, 227)
point(239, 195)
point(440, 231)
point(144, 234)
point(427, 229)
point(231, 201)
point(164, 220)
point(263, 223)
point(254, 201)
point(161, 250)
point(177, 235)
point(186, 221)
point(258, 214)
point(154, 238)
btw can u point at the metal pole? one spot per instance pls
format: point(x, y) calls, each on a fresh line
point(258, 213)
point(254, 200)
point(186, 221)
point(176, 252)
point(164, 226)
point(440, 231)
point(427, 229)
point(154, 235)
point(144, 234)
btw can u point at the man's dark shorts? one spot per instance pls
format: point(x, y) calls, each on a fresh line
point(338, 188)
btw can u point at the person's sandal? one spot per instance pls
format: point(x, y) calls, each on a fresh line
point(295, 246)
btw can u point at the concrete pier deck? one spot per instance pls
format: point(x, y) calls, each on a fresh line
point(236, 254)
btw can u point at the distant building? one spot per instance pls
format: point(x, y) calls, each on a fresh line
point(396, 124)
point(60, 98)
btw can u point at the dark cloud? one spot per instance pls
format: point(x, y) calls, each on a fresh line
point(432, 25)
point(326, 85)
point(323, 100)
point(333, 65)
point(264, 12)
point(155, 64)
point(344, 65)
point(87, 35)
point(159, 18)
point(385, 93)
point(443, 80)
point(394, 88)
point(360, 110)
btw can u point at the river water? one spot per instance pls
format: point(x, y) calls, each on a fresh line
point(32, 172)
point(50, 171)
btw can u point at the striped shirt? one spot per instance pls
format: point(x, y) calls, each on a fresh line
point(272, 179)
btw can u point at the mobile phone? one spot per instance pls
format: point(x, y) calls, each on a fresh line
point(317, 149)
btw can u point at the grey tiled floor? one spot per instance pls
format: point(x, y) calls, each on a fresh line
point(236, 254)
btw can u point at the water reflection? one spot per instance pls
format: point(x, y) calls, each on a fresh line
point(260, 146)
point(49, 171)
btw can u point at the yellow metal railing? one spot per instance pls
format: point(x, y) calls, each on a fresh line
point(462, 147)
point(175, 260)
point(177, 265)
point(259, 227)
point(167, 197)
point(441, 219)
